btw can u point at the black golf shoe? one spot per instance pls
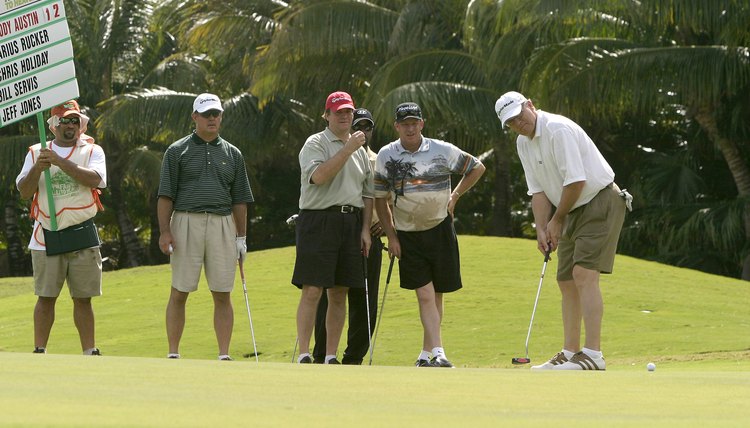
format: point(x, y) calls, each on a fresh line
point(333, 361)
point(441, 361)
point(306, 360)
point(423, 363)
point(38, 350)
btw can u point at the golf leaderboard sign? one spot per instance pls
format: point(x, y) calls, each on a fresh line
point(36, 58)
point(36, 66)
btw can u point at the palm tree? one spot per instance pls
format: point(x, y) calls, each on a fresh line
point(692, 60)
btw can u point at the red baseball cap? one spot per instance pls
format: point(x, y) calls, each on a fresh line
point(66, 109)
point(339, 100)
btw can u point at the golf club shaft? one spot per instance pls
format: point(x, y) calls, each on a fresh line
point(367, 305)
point(382, 305)
point(247, 305)
point(536, 300)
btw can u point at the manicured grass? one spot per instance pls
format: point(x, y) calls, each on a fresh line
point(73, 390)
point(694, 326)
point(653, 312)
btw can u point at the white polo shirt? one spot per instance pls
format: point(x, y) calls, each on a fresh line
point(561, 153)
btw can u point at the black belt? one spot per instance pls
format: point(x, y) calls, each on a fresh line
point(343, 209)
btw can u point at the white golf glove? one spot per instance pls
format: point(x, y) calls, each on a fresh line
point(241, 248)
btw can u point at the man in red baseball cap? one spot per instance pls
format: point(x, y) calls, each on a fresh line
point(333, 227)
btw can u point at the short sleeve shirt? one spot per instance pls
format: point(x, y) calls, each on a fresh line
point(97, 162)
point(201, 176)
point(352, 183)
point(561, 153)
point(419, 183)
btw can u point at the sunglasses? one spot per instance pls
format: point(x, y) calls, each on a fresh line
point(363, 128)
point(67, 120)
point(210, 113)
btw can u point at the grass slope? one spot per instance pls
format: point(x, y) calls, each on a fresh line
point(674, 317)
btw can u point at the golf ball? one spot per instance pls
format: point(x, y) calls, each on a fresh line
point(651, 367)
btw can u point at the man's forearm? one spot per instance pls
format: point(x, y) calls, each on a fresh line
point(239, 213)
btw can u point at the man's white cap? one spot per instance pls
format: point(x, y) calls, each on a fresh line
point(205, 102)
point(509, 105)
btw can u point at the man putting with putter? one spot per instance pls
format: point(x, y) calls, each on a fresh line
point(417, 172)
point(578, 211)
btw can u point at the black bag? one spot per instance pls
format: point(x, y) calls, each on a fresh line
point(73, 238)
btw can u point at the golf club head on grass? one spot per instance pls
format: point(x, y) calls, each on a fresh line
point(517, 361)
point(252, 354)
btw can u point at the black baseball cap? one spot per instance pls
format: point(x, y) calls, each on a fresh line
point(408, 111)
point(361, 114)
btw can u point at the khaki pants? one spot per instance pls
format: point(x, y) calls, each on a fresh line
point(203, 240)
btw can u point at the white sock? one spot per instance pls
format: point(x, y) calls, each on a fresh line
point(591, 353)
point(329, 358)
point(224, 356)
point(301, 356)
point(424, 355)
point(568, 354)
point(438, 350)
point(89, 351)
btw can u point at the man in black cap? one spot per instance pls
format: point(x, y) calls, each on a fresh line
point(358, 341)
point(416, 171)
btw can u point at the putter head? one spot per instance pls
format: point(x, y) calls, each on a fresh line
point(520, 360)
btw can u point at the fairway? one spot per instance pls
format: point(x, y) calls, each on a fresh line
point(67, 390)
point(694, 326)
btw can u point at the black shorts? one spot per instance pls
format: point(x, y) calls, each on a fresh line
point(328, 250)
point(430, 255)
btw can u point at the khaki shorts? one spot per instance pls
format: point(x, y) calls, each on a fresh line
point(591, 234)
point(202, 239)
point(82, 270)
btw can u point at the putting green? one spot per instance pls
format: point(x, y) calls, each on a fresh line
point(73, 390)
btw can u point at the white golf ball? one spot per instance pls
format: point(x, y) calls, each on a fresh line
point(651, 367)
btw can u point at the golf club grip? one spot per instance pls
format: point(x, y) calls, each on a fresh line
point(242, 270)
point(390, 270)
point(547, 253)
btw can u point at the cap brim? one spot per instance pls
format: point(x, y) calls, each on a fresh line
point(408, 117)
point(356, 121)
point(210, 107)
point(515, 111)
point(337, 108)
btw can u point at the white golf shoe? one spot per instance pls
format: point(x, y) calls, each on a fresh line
point(581, 361)
point(553, 363)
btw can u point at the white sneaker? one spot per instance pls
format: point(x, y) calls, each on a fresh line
point(553, 362)
point(581, 361)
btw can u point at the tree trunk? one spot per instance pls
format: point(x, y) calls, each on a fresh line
point(19, 262)
point(501, 222)
point(133, 252)
point(737, 166)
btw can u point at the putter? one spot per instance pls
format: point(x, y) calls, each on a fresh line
point(294, 351)
point(292, 221)
point(247, 305)
point(382, 305)
point(367, 305)
point(527, 360)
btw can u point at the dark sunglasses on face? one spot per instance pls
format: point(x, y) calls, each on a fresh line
point(210, 113)
point(67, 120)
point(363, 128)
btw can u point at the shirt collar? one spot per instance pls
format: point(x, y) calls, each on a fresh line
point(198, 140)
point(423, 146)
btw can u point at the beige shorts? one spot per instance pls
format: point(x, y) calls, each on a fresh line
point(202, 239)
point(82, 270)
point(591, 234)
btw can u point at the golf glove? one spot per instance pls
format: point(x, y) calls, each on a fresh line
point(628, 199)
point(241, 248)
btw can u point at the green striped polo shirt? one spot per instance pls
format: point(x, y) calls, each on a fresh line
point(202, 176)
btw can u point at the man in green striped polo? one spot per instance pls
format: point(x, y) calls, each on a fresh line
point(202, 210)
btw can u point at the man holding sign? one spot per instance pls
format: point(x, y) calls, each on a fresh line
point(70, 251)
